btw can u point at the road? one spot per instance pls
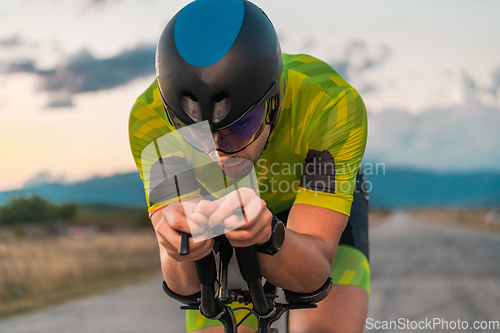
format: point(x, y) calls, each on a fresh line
point(423, 271)
point(419, 271)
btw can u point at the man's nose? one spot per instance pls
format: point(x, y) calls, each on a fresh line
point(222, 156)
point(220, 141)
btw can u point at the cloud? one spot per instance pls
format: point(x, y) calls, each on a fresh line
point(82, 73)
point(59, 100)
point(11, 41)
point(469, 87)
point(461, 138)
point(342, 67)
point(495, 86)
point(99, 2)
point(358, 58)
point(14, 41)
point(27, 66)
point(367, 88)
point(474, 92)
point(377, 60)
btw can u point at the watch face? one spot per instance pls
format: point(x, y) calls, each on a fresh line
point(279, 235)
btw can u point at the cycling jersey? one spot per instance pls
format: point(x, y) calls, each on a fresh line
point(313, 152)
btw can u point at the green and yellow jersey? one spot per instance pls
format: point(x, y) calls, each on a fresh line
point(313, 153)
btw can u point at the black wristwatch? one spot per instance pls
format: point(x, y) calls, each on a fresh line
point(274, 244)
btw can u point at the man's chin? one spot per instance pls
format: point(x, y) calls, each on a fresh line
point(237, 167)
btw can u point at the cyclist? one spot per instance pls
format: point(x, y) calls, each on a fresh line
point(220, 61)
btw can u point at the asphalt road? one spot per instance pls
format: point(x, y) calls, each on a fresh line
point(420, 271)
point(424, 271)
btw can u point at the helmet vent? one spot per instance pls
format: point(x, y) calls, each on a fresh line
point(190, 105)
point(222, 105)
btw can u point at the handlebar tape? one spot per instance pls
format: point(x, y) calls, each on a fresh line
point(250, 271)
point(248, 263)
point(206, 271)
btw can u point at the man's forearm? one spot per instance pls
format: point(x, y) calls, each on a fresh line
point(302, 265)
point(180, 277)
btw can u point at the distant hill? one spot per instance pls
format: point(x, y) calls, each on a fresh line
point(405, 188)
point(398, 188)
point(120, 190)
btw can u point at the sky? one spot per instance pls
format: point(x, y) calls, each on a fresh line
point(428, 71)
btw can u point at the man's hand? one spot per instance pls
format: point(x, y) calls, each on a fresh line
point(174, 220)
point(242, 230)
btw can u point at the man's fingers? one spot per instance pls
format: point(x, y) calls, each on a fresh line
point(196, 229)
point(170, 240)
point(206, 207)
point(234, 221)
point(253, 208)
point(243, 237)
point(168, 235)
point(227, 208)
point(198, 218)
point(198, 224)
point(176, 219)
point(196, 252)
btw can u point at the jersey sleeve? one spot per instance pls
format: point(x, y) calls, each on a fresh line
point(160, 158)
point(335, 144)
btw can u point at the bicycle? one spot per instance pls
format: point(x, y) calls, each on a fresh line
point(215, 305)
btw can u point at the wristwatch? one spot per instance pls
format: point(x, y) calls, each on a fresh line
point(274, 244)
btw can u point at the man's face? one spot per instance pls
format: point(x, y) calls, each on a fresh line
point(238, 165)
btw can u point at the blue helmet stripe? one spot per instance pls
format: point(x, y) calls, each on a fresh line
point(205, 30)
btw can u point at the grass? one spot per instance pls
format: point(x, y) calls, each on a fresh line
point(463, 217)
point(36, 272)
point(377, 216)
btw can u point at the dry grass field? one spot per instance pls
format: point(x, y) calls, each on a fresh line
point(469, 218)
point(36, 271)
point(376, 216)
point(477, 218)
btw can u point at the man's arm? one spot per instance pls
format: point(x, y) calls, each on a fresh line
point(179, 272)
point(311, 238)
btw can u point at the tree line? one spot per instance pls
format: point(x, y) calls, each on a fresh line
point(34, 210)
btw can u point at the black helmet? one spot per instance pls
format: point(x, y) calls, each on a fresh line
point(216, 61)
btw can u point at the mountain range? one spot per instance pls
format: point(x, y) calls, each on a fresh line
point(393, 188)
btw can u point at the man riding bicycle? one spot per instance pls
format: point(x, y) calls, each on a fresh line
point(302, 127)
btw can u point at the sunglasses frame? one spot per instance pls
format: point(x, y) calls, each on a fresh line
point(271, 115)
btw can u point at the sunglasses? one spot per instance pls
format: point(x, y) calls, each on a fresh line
point(236, 136)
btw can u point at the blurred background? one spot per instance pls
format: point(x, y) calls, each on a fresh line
point(73, 219)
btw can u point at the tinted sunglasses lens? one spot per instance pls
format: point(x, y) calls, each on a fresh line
point(248, 125)
point(243, 132)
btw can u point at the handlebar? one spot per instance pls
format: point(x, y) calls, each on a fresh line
point(207, 275)
point(216, 307)
point(184, 245)
point(250, 271)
